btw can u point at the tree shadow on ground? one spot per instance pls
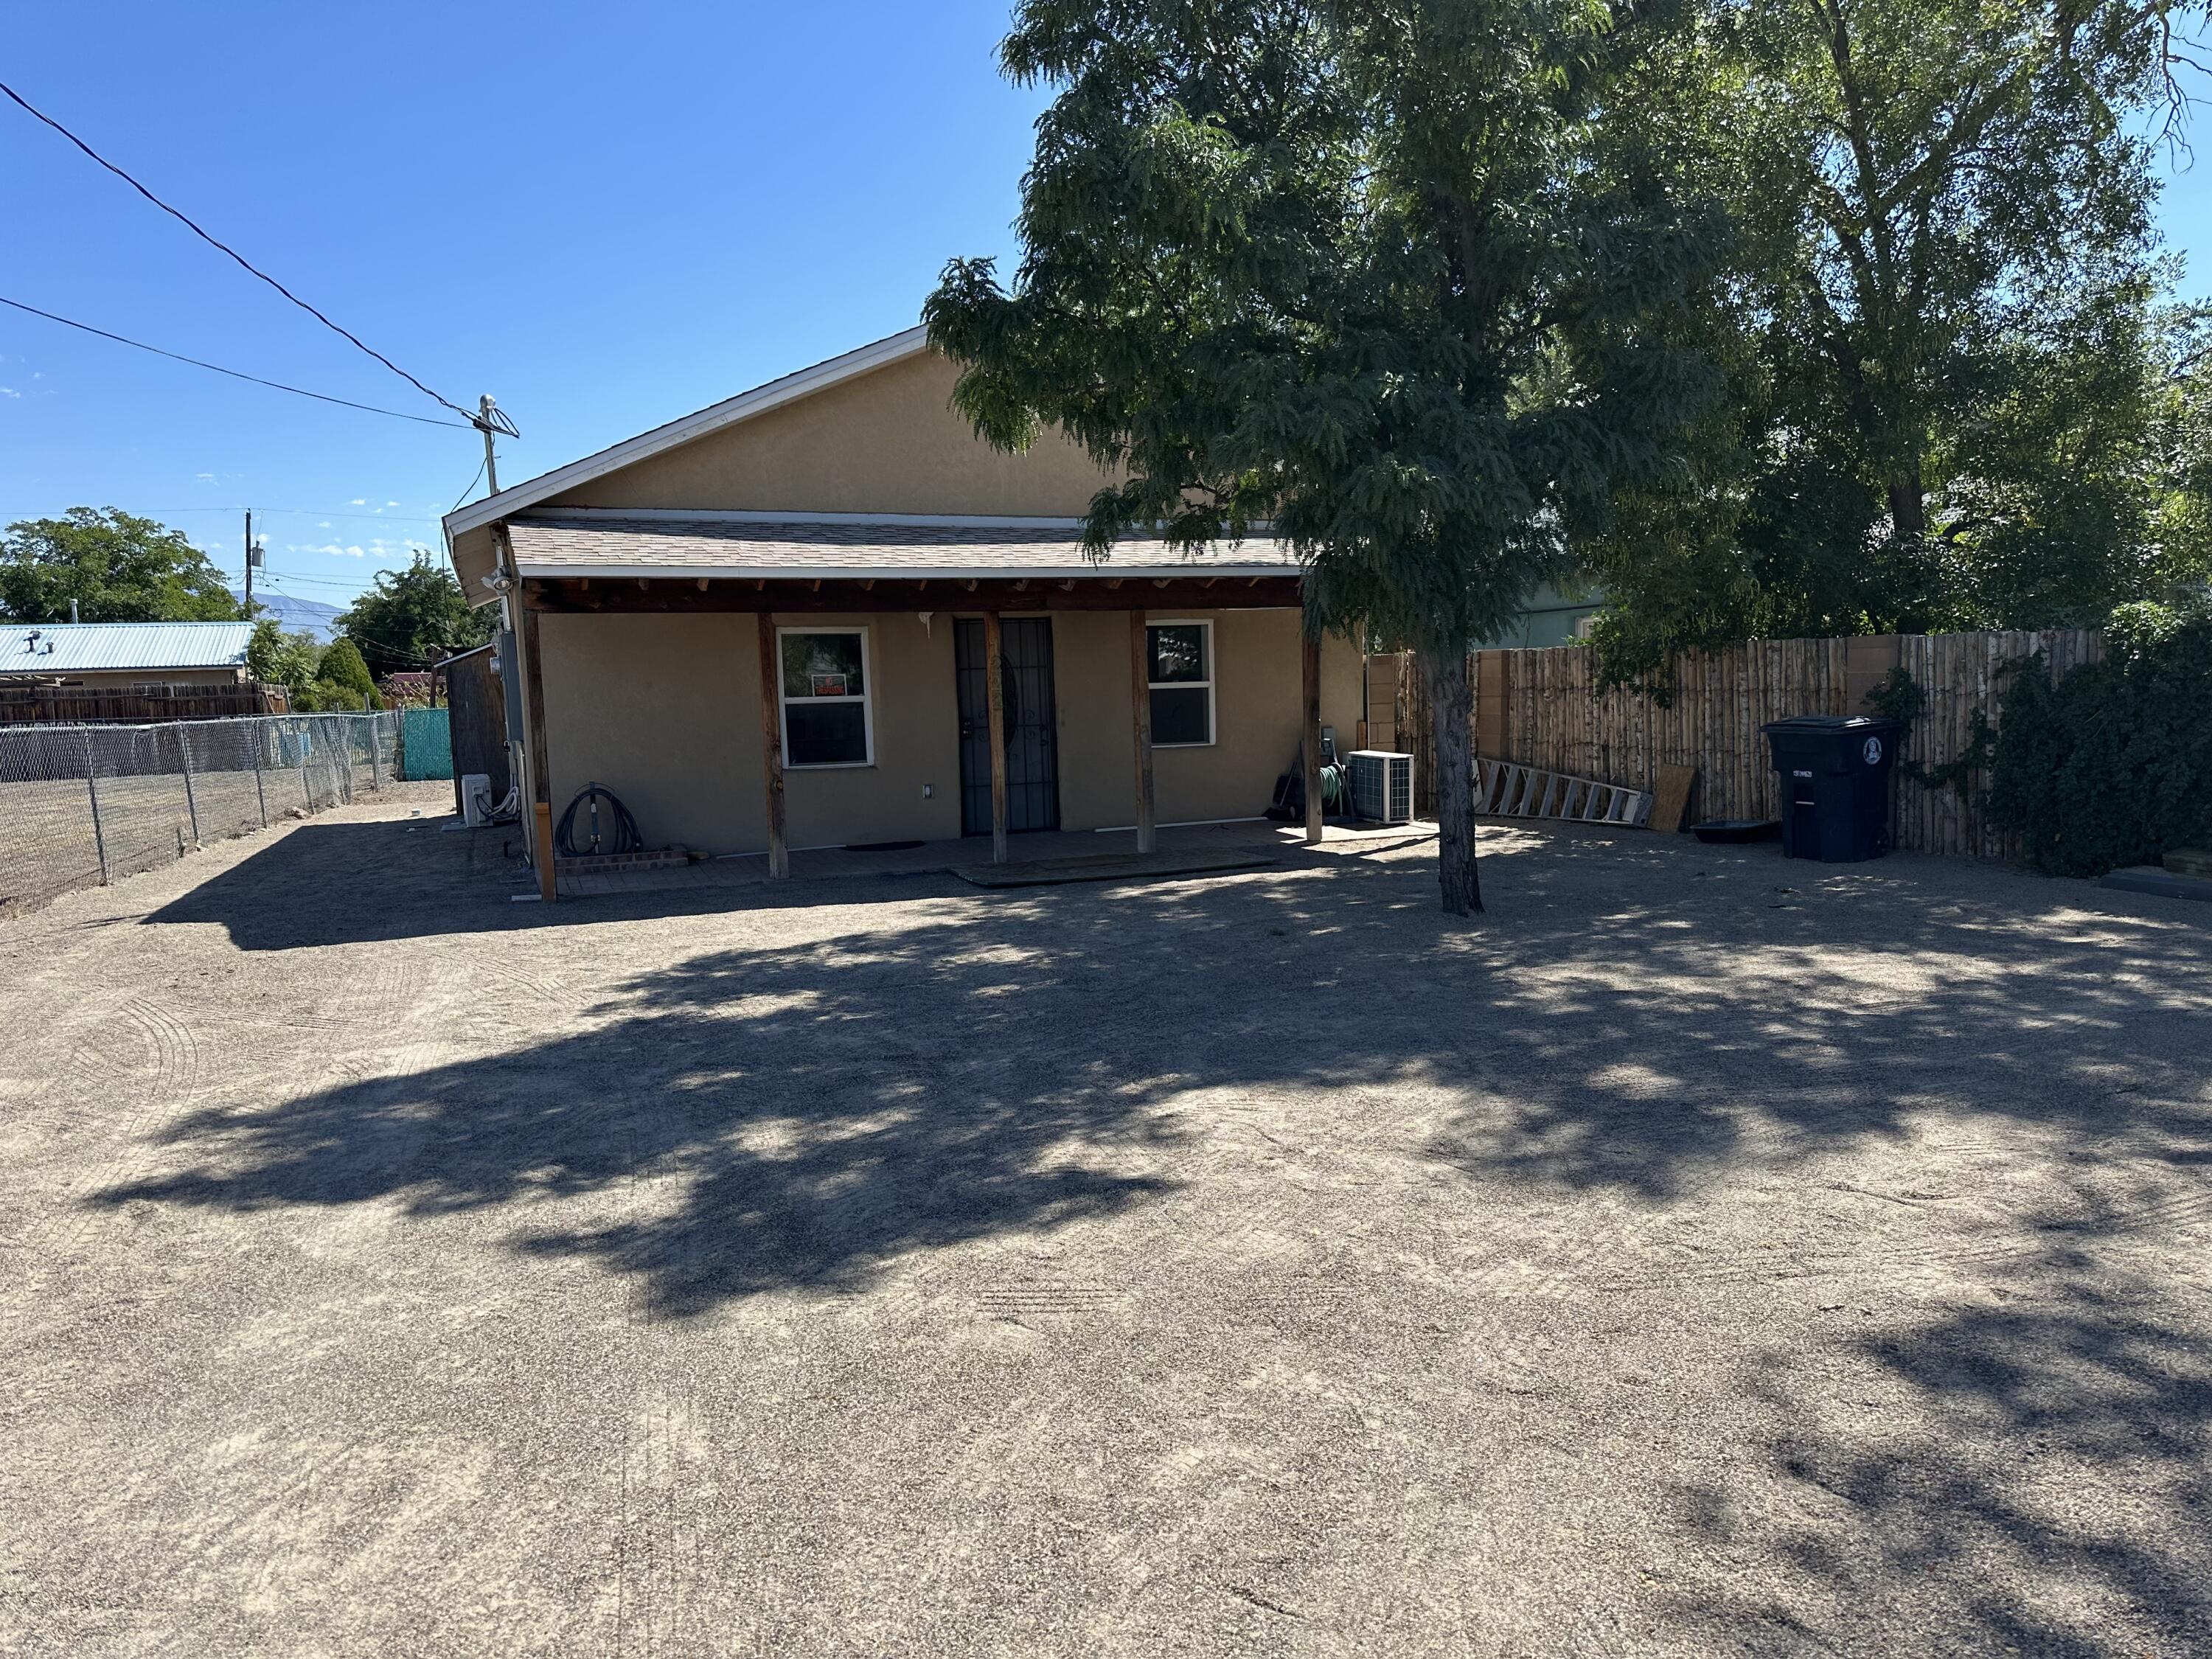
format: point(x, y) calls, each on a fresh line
point(913, 1076)
point(2030, 1474)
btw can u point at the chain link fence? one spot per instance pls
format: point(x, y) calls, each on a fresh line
point(84, 806)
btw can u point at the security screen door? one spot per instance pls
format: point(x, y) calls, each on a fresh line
point(1032, 732)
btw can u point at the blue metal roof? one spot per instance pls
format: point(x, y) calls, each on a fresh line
point(87, 647)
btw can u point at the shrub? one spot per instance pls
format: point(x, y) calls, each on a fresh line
point(2112, 765)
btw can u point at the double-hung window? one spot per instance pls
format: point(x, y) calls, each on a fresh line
point(1179, 666)
point(824, 682)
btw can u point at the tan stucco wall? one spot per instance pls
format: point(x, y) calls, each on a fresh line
point(665, 710)
point(883, 442)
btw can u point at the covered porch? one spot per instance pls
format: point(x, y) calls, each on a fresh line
point(573, 571)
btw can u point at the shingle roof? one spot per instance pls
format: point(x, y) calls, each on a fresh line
point(548, 545)
point(84, 647)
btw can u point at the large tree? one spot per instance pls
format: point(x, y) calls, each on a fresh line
point(1945, 350)
point(117, 566)
point(1400, 280)
point(414, 618)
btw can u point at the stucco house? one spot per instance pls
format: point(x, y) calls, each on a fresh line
point(765, 626)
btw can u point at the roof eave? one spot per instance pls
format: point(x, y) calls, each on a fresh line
point(809, 572)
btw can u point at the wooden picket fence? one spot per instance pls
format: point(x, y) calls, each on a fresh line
point(1542, 708)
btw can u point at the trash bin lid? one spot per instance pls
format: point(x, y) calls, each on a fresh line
point(1832, 723)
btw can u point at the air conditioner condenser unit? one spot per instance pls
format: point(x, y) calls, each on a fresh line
point(1382, 785)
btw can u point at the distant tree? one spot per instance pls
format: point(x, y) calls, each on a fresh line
point(117, 566)
point(1396, 277)
point(342, 679)
point(1941, 328)
point(274, 657)
point(415, 618)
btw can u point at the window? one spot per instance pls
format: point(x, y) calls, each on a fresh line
point(1179, 658)
point(823, 677)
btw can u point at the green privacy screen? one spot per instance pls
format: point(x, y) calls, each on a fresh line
point(426, 744)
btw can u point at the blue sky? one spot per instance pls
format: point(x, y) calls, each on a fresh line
point(603, 217)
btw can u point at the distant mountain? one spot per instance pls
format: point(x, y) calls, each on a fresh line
point(298, 616)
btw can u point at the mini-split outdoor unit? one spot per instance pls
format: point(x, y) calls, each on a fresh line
point(1382, 785)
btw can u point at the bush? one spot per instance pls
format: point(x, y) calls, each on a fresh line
point(343, 681)
point(2112, 765)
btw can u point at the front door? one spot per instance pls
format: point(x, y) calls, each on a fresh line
point(1032, 733)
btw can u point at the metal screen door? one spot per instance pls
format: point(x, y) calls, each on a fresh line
point(1032, 732)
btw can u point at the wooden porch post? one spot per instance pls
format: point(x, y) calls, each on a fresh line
point(1309, 656)
point(1140, 695)
point(541, 762)
point(779, 856)
point(994, 669)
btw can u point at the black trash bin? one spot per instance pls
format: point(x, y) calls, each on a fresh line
point(1835, 784)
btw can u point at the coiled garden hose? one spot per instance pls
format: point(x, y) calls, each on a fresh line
point(623, 834)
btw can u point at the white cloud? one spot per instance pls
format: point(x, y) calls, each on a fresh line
point(357, 502)
point(414, 546)
point(204, 477)
point(391, 503)
point(10, 391)
point(324, 525)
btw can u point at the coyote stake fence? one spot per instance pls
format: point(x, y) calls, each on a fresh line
point(1542, 709)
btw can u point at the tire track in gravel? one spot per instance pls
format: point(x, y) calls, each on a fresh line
point(163, 1090)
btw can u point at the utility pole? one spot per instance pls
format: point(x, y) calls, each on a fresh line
point(488, 421)
point(249, 563)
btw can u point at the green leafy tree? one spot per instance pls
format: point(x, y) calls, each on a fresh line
point(274, 657)
point(413, 618)
point(117, 566)
point(1400, 279)
point(342, 679)
point(1943, 348)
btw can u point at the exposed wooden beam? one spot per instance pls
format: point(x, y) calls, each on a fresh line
point(994, 672)
point(1113, 581)
point(538, 758)
point(702, 584)
point(1141, 705)
point(1021, 585)
point(779, 855)
point(1310, 665)
point(867, 583)
point(1067, 586)
point(642, 585)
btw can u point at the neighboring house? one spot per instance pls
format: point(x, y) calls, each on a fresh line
point(782, 600)
point(1555, 616)
point(142, 658)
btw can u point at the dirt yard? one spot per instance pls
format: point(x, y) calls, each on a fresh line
point(1704, 1254)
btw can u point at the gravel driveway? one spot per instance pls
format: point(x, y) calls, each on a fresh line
point(1703, 1253)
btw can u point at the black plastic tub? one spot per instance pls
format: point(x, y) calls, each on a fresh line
point(1734, 831)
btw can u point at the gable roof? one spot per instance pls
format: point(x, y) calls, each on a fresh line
point(731, 410)
point(89, 647)
point(606, 542)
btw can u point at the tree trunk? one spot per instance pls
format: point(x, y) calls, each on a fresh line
point(1908, 507)
point(1450, 703)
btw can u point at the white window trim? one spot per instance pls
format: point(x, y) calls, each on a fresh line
point(1212, 671)
point(866, 700)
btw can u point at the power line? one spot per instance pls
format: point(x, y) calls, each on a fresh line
point(243, 263)
point(235, 374)
point(472, 490)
